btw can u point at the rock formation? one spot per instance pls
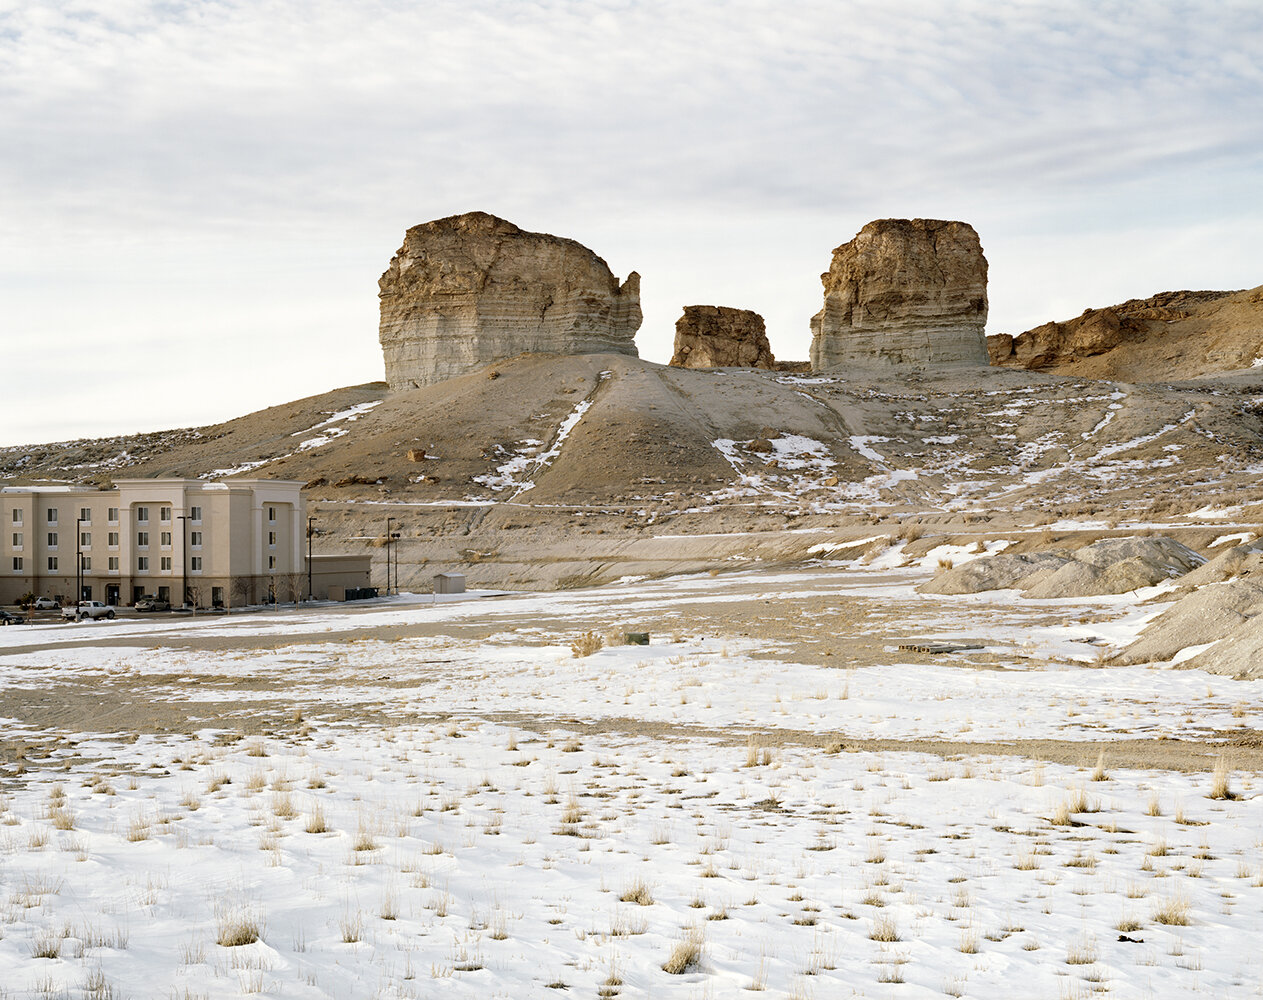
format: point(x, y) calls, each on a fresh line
point(470, 289)
point(904, 292)
point(1168, 335)
point(721, 337)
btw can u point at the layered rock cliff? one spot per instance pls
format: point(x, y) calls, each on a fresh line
point(904, 293)
point(1166, 336)
point(721, 337)
point(471, 289)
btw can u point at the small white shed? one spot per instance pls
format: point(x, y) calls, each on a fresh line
point(449, 583)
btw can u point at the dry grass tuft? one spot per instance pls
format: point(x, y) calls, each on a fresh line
point(316, 822)
point(686, 956)
point(236, 927)
point(638, 892)
point(1173, 912)
point(1099, 773)
point(1219, 786)
point(884, 930)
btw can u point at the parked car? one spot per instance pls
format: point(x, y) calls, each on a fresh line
point(151, 603)
point(88, 609)
point(9, 618)
point(45, 604)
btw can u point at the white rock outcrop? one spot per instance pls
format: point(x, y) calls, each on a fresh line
point(904, 292)
point(471, 289)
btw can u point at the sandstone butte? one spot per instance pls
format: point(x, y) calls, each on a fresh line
point(904, 293)
point(471, 289)
point(1170, 335)
point(721, 337)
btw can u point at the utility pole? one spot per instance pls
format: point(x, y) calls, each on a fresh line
point(184, 560)
point(310, 532)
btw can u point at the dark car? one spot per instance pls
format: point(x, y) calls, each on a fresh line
point(9, 618)
point(151, 603)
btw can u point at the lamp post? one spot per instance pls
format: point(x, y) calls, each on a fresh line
point(184, 559)
point(78, 562)
point(310, 532)
point(389, 522)
point(395, 540)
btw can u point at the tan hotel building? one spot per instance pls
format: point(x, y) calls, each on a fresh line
point(231, 543)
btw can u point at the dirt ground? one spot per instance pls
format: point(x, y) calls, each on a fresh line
point(845, 631)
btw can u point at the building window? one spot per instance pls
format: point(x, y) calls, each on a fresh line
point(164, 593)
point(164, 514)
point(142, 515)
point(85, 539)
point(17, 564)
point(52, 539)
point(52, 563)
point(87, 563)
point(85, 515)
point(17, 539)
point(165, 564)
point(195, 564)
point(195, 515)
point(272, 539)
point(112, 515)
point(113, 564)
point(271, 513)
point(142, 539)
point(165, 540)
point(17, 516)
point(195, 539)
point(112, 539)
point(142, 564)
point(52, 515)
point(271, 562)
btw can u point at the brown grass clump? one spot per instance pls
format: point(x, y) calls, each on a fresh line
point(235, 928)
point(686, 956)
point(638, 892)
point(1219, 786)
point(1173, 912)
point(884, 930)
point(316, 822)
point(586, 644)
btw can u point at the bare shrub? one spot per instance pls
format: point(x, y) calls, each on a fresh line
point(586, 644)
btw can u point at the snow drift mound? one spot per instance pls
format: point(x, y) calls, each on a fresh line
point(1209, 614)
point(1110, 566)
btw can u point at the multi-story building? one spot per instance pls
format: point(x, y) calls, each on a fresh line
point(228, 543)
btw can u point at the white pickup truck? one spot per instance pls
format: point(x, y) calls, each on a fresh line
point(88, 609)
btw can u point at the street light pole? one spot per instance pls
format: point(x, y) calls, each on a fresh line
point(78, 562)
point(389, 522)
point(184, 559)
point(310, 532)
point(395, 538)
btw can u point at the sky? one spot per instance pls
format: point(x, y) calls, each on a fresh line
point(198, 196)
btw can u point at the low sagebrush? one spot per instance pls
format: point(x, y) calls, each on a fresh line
point(587, 643)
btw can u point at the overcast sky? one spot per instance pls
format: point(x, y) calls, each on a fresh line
point(197, 198)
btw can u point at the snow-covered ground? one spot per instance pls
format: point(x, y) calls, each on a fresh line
point(527, 822)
